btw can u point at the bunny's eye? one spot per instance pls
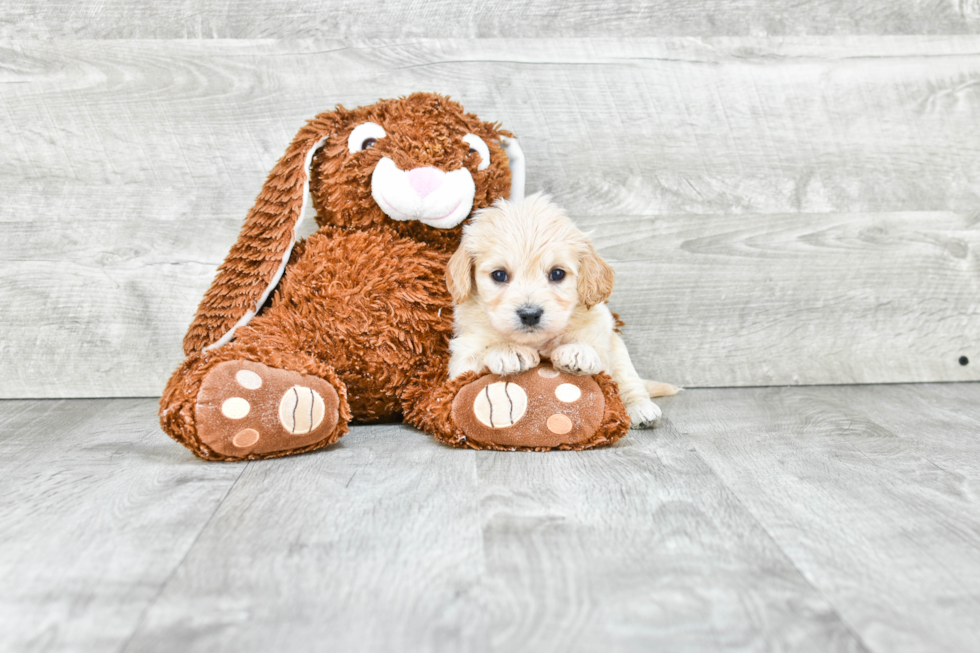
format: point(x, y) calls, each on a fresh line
point(364, 136)
point(477, 145)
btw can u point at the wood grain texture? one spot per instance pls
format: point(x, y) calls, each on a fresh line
point(947, 408)
point(390, 541)
point(637, 548)
point(708, 300)
point(99, 509)
point(371, 545)
point(131, 164)
point(755, 519)
point(797, 299)
point(870, 514)
point(627, 127)
point(115, 19)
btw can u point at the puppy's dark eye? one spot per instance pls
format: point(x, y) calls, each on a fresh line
point(557, 274)
point(368, 142)
point(499, 276)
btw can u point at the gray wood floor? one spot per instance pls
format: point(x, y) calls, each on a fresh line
point(803, 519)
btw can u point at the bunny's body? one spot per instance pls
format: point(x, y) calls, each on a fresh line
point(381, 326)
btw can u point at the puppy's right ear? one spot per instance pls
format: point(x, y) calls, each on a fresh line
point(459, 275)
point(258, 259)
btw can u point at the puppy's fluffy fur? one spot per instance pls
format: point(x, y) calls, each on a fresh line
point(527, 283)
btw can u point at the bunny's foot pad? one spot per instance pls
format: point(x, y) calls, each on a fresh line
point(538, 409)
point(250, 410)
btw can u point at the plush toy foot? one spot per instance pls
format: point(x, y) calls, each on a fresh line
point(247, 409)
point(538, 409)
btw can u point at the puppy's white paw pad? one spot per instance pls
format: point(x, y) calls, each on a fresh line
point(578, 359)
point(644, 414)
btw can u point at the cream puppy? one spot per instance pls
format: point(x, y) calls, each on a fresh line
point(527, 283)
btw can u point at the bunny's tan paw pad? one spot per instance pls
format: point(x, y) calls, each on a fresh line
point(246, 408)
point(538, 409)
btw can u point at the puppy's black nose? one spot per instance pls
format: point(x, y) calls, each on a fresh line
point(530, 315)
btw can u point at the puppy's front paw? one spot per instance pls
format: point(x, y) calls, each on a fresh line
point(644, 414)
point(511, 359)
point(577, 358)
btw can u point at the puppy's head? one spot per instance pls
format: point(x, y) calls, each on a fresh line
point(529, 268)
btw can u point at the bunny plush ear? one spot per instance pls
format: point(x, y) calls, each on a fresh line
point(516, 158)
point(258, 259)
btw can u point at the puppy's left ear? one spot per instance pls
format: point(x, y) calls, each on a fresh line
point(595, 279)
point(459, 275)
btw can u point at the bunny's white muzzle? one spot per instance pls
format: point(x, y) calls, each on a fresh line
point(429, 195)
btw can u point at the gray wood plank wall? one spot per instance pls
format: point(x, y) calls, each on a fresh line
point(252, 19)
point(789, 194)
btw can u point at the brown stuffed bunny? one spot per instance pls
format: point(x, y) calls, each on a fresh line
point(360, 318)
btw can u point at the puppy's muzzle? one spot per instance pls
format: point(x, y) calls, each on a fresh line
point(530, 315)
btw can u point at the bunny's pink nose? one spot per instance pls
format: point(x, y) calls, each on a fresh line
point(425, 180)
